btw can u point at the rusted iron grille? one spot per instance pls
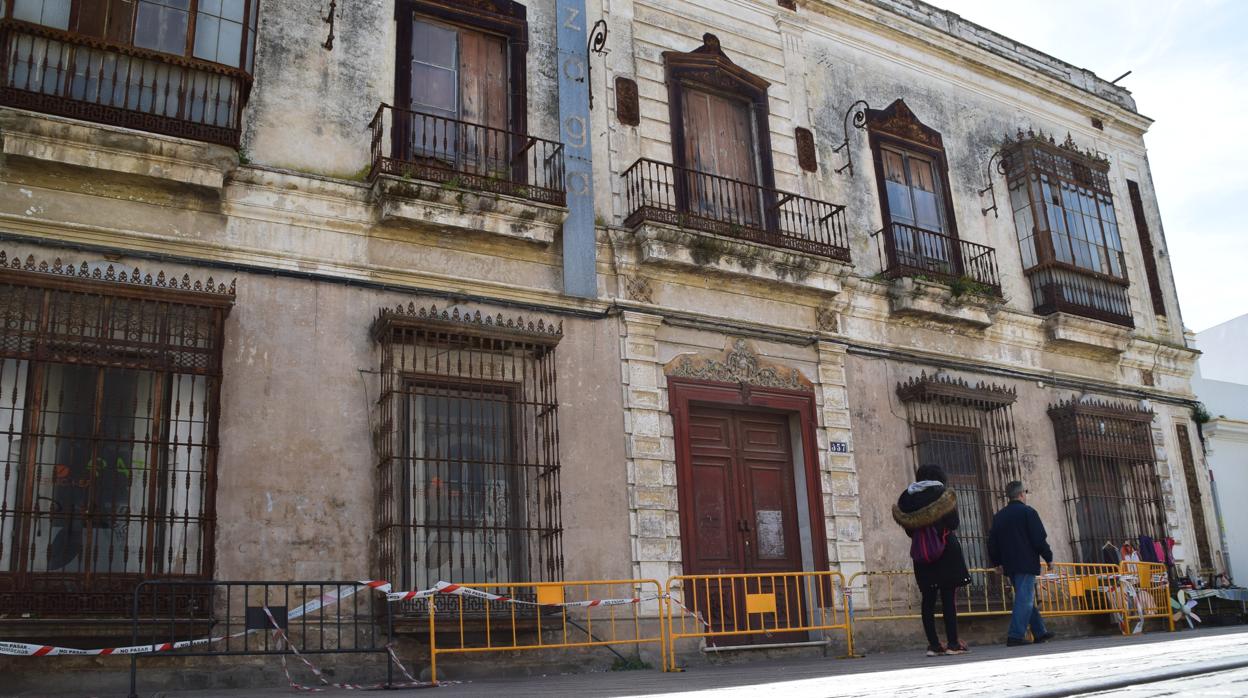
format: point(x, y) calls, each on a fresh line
point(67, 74)
point(1109, 479)
point(108, 418)
point(969, 432)
point(469, 450)
point(408, 143)
point(657, 191)
point(906, 250)
point(1067, 229)
point(1193, 496)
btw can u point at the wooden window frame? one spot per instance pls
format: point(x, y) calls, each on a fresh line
point(897, 128)
point(501, 17)
point(188, 51)
point(708, 68)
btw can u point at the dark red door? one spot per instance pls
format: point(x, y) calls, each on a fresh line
point(743, 510)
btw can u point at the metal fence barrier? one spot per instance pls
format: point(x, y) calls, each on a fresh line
point(473, 618)
point(1071, 589)
point(1147, 588)
point(783, 607)
point(211, 618)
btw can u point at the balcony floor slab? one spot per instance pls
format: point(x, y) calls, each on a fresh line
point(932, 301)
point(432, 206)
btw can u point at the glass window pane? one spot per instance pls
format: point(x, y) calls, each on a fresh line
point(212, 7)
point(433, 89)
point(161, 27)
point(232, 10)
point(229, 43)
point(207, 29)
point(900, 209)
point(50, 13)
point(433, 44)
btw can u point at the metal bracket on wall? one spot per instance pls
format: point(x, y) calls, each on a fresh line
point(329, 19)
point(597, 44)
point(859, 111)
point(989, 185)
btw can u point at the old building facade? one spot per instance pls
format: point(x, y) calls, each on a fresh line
point(300, 293)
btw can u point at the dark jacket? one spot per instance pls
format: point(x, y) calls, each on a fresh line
point(934, 506)
point(1017, 540)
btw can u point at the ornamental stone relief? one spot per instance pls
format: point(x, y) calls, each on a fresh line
point(738, 363)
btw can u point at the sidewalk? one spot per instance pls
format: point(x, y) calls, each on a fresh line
point(1063, 667)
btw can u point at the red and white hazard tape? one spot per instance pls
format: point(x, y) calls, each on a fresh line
point(461, 590)
point(22, 649)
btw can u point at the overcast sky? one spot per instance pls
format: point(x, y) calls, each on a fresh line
point(1190, 63)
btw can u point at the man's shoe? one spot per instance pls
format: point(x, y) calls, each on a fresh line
point(1044, 638)
point(936, 651)
point(1015, 642)
point(959, 648)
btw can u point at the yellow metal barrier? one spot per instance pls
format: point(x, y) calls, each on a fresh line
point(470, 618)
point(783, 607)
point(1071, 589)
point(1146, 590)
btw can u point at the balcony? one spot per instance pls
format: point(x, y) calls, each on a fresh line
point(1057, 288)
point(939, 277)
point(65, 74)
point(906, 250)
point(662, 193)
point(440, 173)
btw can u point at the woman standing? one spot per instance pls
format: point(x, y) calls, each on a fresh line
point(928, 511)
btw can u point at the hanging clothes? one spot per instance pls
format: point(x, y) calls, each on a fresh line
point(1110, 555)
point(1148, 551)
point(1129, 553)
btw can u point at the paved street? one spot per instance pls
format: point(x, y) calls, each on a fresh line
point(1066, 667)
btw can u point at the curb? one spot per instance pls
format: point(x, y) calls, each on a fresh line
point(1142, 677)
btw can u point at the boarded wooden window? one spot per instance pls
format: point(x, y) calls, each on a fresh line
point(1146, 249)
point(458, 73)
point(1193, 497)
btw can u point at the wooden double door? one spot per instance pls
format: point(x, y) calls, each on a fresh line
point(739, 495)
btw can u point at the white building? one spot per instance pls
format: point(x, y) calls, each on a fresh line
point(1221, 382)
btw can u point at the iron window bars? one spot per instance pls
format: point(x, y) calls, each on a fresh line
point(1067, 229)
point(1109, 479)
point(468, 446)
point(969, 432)
point(109, 387)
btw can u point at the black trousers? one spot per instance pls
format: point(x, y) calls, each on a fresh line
point(949, 606)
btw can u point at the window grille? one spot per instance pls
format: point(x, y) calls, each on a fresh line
point(1109, 481)
point(1193, 497)
point(969, 432)
point(468, 445)
point(109, 389)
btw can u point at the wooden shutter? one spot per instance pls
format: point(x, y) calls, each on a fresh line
point(107, 19)
point(483, 79)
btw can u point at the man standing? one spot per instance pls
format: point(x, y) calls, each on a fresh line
point(1016, 543)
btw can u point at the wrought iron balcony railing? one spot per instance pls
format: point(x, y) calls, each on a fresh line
point(408, 143)
point(81, 77)
point(906, 250)
point(657, 191)
point(1060, 288)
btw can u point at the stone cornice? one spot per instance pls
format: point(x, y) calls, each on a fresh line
point(1225, 428)
point(864, 15)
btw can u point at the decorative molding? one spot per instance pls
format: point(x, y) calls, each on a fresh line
point(474, 323)
point(1101, 408)
point(739, 363)
point(627, 105)
point(947, 389)
point(827, 319)
point(111, 275)
point(807, 158)
point(710, 65)
point(639, 289)
point(898, 121)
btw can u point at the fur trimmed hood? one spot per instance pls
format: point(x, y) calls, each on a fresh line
point(927, 515)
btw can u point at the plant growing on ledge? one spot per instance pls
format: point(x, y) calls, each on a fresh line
point(1200, 414)
point(964, 285)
